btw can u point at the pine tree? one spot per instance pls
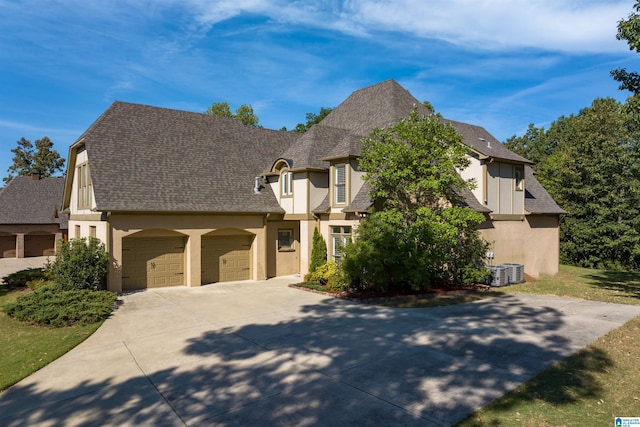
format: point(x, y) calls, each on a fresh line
point(318, 251)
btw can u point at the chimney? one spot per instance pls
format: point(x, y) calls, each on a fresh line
point(35, 175)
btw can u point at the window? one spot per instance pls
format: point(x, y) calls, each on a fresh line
point(92, 231)
point(77, 232)
point(340, 184)
point(84, 187)
point(519, 175)
point(285, 240)
point(286, 177)
point(340, 236)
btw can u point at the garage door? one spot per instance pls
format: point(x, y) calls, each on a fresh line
point(152, 262)
point(226, 258)
point(39, 245)
point(7, 246)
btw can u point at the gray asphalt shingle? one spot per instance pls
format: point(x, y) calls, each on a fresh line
point(25, 200)
point(153, 159)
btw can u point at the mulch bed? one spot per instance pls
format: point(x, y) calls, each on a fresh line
point(372, 297)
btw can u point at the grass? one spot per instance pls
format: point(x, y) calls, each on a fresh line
point(26, 348)
point(591, 387)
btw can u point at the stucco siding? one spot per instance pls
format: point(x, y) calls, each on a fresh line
point(193, 227)
point(533, 242)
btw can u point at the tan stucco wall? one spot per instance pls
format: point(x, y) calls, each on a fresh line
point(475, 172)
point(281, 263)
point(300, 193)
point(318, 188)
point(193, 227)
point(102, 230)
point(533, 242)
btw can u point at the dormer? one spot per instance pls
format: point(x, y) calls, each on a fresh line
point(345, 181)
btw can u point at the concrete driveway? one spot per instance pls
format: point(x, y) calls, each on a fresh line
point(261, 353)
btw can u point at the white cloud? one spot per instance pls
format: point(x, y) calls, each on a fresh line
point(565, 26)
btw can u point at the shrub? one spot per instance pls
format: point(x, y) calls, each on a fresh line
point(20, 278)
point(318, 251)
point(337, 282)
point(50, 305)
point(81, 264)
point(323, 273)
point(38, 283)
point(438, 247)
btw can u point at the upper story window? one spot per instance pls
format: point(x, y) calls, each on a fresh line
point(84, 186)
point(286, 180)
point(519, 176)
point(340, 184)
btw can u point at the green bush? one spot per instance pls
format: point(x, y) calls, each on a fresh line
point(81, 264)
point(52, 306)
point(38, 283)
point(20, 278)
point(441, 247)
point(323, 273)
point(337, 282)
point(318, 251)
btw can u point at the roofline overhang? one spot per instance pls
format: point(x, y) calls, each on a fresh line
point(266, 174)
point(341, 157)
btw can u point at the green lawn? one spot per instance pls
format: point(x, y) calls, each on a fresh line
point(24, 349)
point(593, 386)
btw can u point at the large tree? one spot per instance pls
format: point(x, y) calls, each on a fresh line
point(244, 113)
point(590, 164)
point(39, 157)
point(419, 233)
point(629, 30)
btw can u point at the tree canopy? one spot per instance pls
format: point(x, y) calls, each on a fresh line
point(312, 119)
point(629, 30)
point(419, 233)
point(590, 164)
point(39, 157)
point(244, 112)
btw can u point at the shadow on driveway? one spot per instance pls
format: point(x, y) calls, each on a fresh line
point(336, 363)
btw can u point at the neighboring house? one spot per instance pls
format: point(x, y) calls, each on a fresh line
point(184, 198)
point(30, 220)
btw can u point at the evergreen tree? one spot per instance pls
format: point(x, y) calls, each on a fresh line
point(318, 251)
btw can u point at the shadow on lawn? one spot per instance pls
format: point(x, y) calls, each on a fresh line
point(337, 363)
point(620, 281)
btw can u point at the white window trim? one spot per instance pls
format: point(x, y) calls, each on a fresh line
point(286, 185)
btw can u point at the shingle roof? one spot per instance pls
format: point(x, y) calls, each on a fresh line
point(25, 200)
point(362, 202)
point(318, 143)
point(323, 207)
point(536, 198)
point(385, 103)
point(484, 143)
point(380, 105)
point(146, 158)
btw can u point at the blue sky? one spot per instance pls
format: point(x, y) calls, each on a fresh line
point(500, 64)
